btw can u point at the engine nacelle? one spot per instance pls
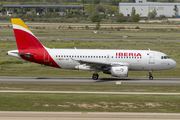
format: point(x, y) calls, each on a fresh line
point(119, 71)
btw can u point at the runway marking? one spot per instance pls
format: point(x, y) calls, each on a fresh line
point(84, 113)
point(84, 92)
point(118, 83)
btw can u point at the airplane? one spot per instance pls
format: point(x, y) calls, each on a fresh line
point(117, 63)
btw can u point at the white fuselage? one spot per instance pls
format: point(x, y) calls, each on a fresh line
point(149, 60)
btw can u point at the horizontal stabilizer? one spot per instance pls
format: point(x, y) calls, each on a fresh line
point(25, 54)
point(17, 54)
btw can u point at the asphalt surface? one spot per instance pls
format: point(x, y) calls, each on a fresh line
point(81, 92)
point(80, 80)
point(52, 38)
point(22, 115)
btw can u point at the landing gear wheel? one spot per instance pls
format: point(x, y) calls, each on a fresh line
point(95, 76)
point(150, 75)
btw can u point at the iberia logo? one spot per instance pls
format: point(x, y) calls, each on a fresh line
point(121, 70)
point(128, 54)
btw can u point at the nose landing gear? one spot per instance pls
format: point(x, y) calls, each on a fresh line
point(150, 75)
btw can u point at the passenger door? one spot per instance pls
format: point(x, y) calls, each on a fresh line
point(151, 58)
point(46, 56)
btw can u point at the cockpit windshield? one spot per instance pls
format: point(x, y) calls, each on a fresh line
point(165, 57)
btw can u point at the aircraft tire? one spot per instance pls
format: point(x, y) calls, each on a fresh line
point(95, 76)
point(151, 78)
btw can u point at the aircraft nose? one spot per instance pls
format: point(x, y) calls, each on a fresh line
point(173, 63)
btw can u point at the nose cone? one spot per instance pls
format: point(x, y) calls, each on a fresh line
point(173, 63)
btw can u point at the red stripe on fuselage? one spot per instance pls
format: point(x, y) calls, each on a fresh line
point(27, 43)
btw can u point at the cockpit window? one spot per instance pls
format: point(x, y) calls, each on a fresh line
point(165, 57)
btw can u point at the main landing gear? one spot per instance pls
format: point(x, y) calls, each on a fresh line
point(150, 75)
point(95, 76)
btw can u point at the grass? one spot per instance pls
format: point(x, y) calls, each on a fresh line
point(104, 34)
point(89, 102)
point(95, 88)
point(108, 33)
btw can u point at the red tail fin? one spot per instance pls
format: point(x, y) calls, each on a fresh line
point(24, 37)
point(29, 47)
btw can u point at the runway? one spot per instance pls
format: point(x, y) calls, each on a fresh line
point(81, 92)
point(82, 80)
point(17, 115)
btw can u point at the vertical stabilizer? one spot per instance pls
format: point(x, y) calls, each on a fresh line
point(24, 37)
point(29, 47)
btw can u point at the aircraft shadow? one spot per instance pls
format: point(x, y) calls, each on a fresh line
point(119, 79)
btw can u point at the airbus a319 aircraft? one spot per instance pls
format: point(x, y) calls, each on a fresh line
point(114, 62)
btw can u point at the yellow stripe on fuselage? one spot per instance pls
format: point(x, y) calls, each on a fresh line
point(18, 21)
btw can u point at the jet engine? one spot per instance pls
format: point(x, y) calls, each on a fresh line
point(119, 71)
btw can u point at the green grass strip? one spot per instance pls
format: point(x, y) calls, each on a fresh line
point(92, 88)
point(89, 102)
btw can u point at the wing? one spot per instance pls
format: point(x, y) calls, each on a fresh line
point(94, 64)
point(101, 65)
